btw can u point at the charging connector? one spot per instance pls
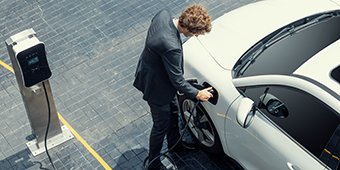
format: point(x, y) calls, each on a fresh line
point(146, 165)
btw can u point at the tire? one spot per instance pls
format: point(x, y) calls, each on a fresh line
point(200, 126)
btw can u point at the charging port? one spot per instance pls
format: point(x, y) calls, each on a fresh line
point(213, 91)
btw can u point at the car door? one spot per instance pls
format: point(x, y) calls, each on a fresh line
point(287, 130)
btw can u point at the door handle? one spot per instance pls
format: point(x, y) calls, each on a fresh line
point(292, 167)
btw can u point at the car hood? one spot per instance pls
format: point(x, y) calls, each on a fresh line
point(235, 32)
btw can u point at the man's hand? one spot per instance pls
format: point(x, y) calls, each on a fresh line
point(204, 94)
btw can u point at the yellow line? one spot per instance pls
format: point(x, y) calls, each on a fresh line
point(335, 157)
point(87, 146)
point(223, 116)
point(7, 66)
point(331, 154)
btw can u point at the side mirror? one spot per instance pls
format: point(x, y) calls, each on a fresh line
point(245, 112)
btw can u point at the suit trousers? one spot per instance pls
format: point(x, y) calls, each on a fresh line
point(165, 122)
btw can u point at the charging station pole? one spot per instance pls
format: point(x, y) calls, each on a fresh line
point(32, 72)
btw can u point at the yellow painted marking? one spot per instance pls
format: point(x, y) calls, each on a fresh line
point(328, 151)
point(87, 146)
point(75, 133)
point(7, 66)
point(223, 116)
point(251, 135)
point(331, 154)
point(254, 137)
point(335, 157)
point(218, 114)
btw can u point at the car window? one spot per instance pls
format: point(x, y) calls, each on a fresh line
point(331, 153)
point(285, 55)
point(305, 118)
point(336, 74)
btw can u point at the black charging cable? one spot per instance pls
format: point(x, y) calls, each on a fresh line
point(48, 125)
point(145, 167)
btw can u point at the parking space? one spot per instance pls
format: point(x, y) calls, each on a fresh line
point(92, 48)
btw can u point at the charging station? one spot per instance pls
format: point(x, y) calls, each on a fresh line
point(32, 72)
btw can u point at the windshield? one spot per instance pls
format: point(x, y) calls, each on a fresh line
point(284, 50)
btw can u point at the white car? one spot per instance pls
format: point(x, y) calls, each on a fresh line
point(274, 66)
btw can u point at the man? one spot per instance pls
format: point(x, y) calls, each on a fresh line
point(159, 74)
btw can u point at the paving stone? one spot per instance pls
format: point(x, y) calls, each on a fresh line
point(93, 48)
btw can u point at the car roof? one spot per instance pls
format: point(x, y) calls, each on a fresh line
point(235, 32)
point(318, 68)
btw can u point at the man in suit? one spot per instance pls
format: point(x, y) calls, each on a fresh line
point(159, 74)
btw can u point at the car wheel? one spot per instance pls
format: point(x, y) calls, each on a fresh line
point(200, 126)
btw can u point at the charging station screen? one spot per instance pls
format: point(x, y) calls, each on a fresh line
point(33, 61)
point(33, 64)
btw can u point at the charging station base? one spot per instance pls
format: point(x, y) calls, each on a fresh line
point(38, 148)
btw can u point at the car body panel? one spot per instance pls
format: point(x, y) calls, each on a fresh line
point(204, 69)
point(210, 58)
point(301, 158)
point(263, 142)
point(234, 33)
point(328, 56)
point(337, 2)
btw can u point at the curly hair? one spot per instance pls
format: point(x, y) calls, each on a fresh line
point(196, 19)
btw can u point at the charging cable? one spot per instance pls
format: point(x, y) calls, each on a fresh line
point(48, 126)
point(145, 167)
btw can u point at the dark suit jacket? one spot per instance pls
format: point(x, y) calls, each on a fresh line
point(159, 71)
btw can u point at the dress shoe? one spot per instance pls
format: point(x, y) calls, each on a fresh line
point(183, 146)
point(161, 167)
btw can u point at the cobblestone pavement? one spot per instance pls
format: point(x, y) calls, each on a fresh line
point(92, 48)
